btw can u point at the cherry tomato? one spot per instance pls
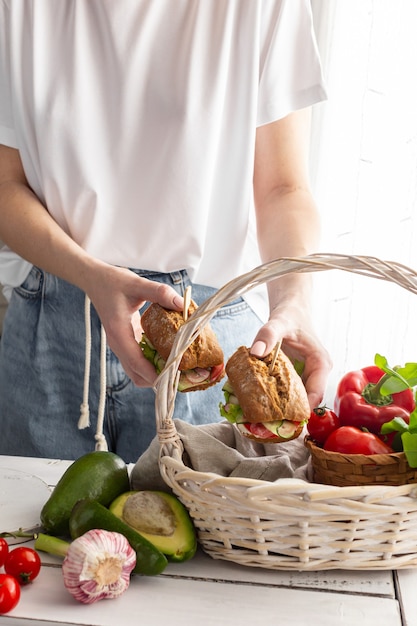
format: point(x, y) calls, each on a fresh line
point(24, 564)
point(4, 551)
point(9, 593)
point(322, 422)
point(352, 440)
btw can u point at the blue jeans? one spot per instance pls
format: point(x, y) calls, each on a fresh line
point(42, 373)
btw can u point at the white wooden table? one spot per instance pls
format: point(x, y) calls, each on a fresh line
point(206, 592)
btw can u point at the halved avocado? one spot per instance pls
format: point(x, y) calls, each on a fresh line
point(161, 518)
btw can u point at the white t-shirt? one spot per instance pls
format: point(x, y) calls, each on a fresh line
point(136, 119)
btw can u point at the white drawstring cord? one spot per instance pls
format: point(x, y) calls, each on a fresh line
point(101, 443)
point(84, 421)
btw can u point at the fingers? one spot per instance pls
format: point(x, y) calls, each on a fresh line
point(137, 367)
point(137, 326)
point(258, 348)
point(123, 338)
point(300, 345)
point(117, 295)
point(317, 369)
point(161, 293)
point(265, 340)
point(143, 376)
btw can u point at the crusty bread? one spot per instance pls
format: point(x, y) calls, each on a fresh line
point(161, 326)
point(266, 397)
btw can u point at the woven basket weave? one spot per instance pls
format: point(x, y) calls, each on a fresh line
point(289, 524)
point(342, 470)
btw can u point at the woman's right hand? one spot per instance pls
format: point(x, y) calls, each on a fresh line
point(117, 295)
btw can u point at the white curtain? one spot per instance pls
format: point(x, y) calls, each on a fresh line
point(364, 174)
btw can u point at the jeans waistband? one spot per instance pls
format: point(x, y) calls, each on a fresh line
point(176, 278)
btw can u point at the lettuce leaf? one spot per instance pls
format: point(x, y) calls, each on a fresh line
point(230, 410)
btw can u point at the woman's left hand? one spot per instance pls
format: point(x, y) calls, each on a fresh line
point(291, 324)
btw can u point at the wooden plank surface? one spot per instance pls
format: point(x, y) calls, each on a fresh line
point(160, 601)
point(407, 595)
point(205, 591)
point(378, 583)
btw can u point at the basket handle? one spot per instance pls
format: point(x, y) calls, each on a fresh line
point(166, 384)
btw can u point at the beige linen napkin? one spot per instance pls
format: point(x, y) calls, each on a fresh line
point(219, 448)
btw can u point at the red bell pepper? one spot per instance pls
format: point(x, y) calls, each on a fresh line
point(359, 401)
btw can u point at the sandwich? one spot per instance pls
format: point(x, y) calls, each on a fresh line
point(264, 397)
point(201, 365)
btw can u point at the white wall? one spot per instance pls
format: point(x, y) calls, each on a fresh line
point(364, 172)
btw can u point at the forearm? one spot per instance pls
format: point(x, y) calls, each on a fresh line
point(288, 226)
point(117, 293)
point(28, 229)
point(287, 218)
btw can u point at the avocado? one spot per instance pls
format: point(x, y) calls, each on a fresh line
point(89, 514)
point(99, 475)
point(161, 518)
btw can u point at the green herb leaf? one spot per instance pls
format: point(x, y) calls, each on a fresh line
point(398, 424)
point(409, 441)
point(381, 362)
point(413, 421)
point(393, 385)
point(409, 373)
point(399, 379)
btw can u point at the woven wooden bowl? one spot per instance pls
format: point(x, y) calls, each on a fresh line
point(342, 470)
point(289, 524)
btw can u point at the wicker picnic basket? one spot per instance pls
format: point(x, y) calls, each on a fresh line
point(289, 524)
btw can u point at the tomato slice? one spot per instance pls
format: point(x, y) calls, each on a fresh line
point(216, 371)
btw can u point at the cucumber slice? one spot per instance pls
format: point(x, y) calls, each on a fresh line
point(288, 429)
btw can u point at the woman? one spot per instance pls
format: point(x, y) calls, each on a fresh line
point(149, 136)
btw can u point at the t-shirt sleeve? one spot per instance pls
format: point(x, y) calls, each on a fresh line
point(290, 73)
point(7, 132)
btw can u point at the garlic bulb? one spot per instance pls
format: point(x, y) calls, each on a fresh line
point(98, 565)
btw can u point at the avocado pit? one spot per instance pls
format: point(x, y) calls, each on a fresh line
point(147, 512)
point(160, 518)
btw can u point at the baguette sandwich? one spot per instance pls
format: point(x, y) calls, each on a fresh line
point(267, 406)
point(201, 365)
